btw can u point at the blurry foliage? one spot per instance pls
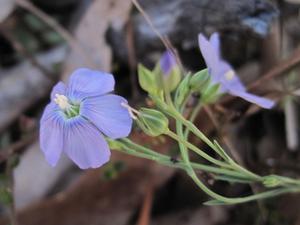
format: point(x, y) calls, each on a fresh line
point(34, 34)
point(6, 197)
point(28, 31)
point(113, 169)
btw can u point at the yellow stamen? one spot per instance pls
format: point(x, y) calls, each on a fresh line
point(229, 75)
point(62, 101)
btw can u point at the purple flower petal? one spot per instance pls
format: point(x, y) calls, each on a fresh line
point(229, 79)
point(51, 133)
point(167, 62)
point(59, 88)
point(84, 144)
point(85, 82)
point(215, 42)
point(209, 54)
point(107, 113)
point(262, 102)
point(221, 72)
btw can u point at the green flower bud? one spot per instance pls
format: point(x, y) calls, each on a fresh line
point(169, 71)
point(211, 93)
point(172, 79)
point(152, 122)
point(183, 90)
point(200, 80)
point(271, 181)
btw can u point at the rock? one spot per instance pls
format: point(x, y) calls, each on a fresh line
point(183, 20)
point(26, 174)
point(24, 84)
point(6, 7)
point(55, 4)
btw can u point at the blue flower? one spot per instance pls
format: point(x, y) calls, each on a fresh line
point(222, 73)
point(77, 117)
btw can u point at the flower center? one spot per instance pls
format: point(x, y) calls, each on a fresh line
point(70, 110)
point(62, 101)
point(229, 75)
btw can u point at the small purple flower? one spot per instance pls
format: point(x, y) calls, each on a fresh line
point(221, 72)
point(77, 117)
point(167, 62)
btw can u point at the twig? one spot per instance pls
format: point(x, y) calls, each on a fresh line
point(282, 67)
point(291, 124)
point(166, 42)
point(131, 58)
point(23, 51)
point(144, 217)
point(58, 28)
point(17, 147)
point(10, 186)
point(8, 153)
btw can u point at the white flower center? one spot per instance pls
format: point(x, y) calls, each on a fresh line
point(229, 75)
point(62, 101)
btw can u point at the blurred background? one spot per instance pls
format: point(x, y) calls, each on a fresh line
point(42, 42)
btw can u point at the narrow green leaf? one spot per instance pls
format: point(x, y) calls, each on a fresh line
point(232, 179)
point(147, 80)
point(215, 202)
point(183, 90)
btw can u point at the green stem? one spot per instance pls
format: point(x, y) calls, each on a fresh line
point(192, 118)
point(178, 117)
point(196, 149)
point(183, 149)
point(165, 160)
point(195, 112)
point(266, 194)
point(142, 148)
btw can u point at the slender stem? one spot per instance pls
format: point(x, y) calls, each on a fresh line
point(192, 119)
point(202, 136)
point(195, 112)
point(196, 150)
point(147, 153)
point(266, 194)
point(192, 128)
point(183, 149)
point(166, 161)
point(143, 148)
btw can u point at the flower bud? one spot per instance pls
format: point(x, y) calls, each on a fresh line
point(170, 71)
point(271, 181)
point(183, 90)
point(152, 122)
point(211, 93)
point(200, 80)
